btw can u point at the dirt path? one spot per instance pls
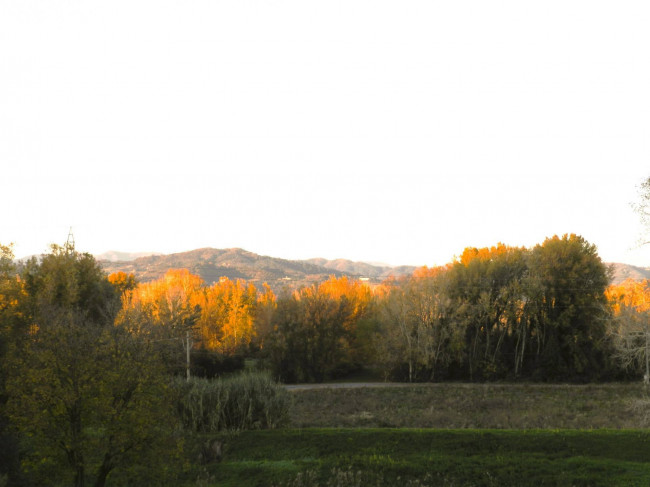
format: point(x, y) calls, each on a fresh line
point(349, 385)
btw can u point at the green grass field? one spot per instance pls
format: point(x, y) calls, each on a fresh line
point(373, 457)
point(446, 435)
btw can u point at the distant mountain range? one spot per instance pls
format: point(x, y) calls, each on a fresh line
point(115, 256)
point(212, 264)
point(376, 271)
point(626, 271)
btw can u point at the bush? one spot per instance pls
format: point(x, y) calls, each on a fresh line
point(242, 402)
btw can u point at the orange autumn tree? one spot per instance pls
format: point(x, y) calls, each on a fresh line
point(221, 317)
point(164, 311)
point(484, 254)
point(630, 303)
point(122, 282)
point(361, 324)
point(171, 302)
point(357, 295)
point(227, 321)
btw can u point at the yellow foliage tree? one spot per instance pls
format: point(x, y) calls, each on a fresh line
point(222, 316)
point(166, 311)
point(226, 324)
point(357, 294)
point(170, 301)
point(630, 303)
point(485, 253)
point(122, 281)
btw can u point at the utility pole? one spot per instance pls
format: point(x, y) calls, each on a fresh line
point(188, 344)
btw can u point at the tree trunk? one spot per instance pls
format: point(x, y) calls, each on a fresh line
point(79, 476)
point(104, 469)
point(102, 475)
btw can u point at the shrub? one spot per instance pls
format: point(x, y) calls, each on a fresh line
point(246, 401)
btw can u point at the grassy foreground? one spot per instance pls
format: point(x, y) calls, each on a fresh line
point(445, 435)
point(373, 457)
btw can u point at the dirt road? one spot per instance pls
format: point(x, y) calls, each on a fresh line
point(349, 385)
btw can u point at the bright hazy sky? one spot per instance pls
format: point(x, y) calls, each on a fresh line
point(386, 131)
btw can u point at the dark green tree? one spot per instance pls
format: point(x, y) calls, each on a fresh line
point(571, 311)
point(486, 287)
point(308, 341)
point(66, 280)
point(538, 313)
point(13, 324)
point(89, 396)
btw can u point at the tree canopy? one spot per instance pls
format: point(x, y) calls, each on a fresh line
point(88, 396)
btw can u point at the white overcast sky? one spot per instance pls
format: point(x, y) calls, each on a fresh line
point(386, 131)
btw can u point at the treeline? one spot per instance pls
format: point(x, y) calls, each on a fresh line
point(543, 313)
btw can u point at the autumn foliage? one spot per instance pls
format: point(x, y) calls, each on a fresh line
point(495, 312)
point(630, 326)
point(221, 317)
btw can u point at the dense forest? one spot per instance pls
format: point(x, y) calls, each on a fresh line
point(87, 358)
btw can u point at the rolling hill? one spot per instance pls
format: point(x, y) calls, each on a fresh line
point(362, 268)
point(622, 272)
point(212, 264)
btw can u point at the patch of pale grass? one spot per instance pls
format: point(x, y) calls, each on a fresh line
point(500, 406)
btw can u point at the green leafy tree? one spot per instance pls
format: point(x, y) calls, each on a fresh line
point(89, 398)
point(487, 291)
point(502, 312)
point(88, 395)
point(572, 311)
point(66, 280)
point(13, 323)
point(308, 341)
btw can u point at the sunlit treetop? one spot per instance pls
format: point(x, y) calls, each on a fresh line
point(630, 294)
point(484, 254)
